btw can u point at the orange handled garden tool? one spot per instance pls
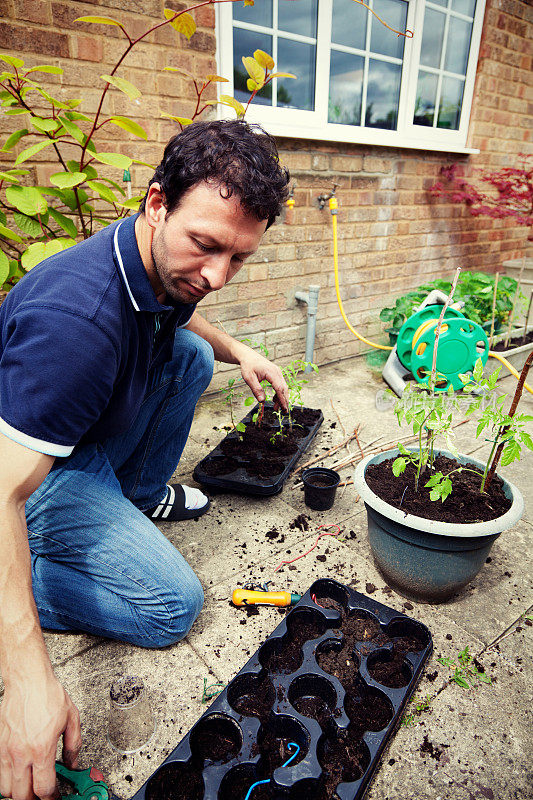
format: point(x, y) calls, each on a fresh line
point(248, 597)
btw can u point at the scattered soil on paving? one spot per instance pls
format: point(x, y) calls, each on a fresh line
point(465, 504)
point(431, 749)
point(301, 522)
point(518, 341)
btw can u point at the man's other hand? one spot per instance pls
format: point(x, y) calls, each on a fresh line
point(33, 716)
point(256, 368)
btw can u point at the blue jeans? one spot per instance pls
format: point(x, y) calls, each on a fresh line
point(98, 563)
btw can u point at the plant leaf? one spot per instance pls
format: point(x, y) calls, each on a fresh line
point(38, 251)
point(184, 24)
point(227, 100)
point(398, 466)
point(18, 63)
point(103, 190)
point(27, 225)
point(124, 86)
point(72, 129)
point(48, 68)
point(130, 126)
point(29, 152)
point(263, 59)
point(283, 75)
point(14, 138)
point(114, 160)
point(216, 78)
point(64, 222)
point(181, 120)
point(44, 125)
point(4, 267)
point(254, 70)
point(251, 85)
point(67, 180)
point(26, 199)
point(7, 233)
point(100, 21)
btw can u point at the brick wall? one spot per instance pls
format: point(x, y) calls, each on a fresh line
point(392, 236)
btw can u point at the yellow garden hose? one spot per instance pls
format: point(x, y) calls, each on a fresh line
point(333, 207)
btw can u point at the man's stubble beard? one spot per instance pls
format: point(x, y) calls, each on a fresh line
point(162, 273)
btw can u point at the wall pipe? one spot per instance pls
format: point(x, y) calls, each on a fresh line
point(311, 298)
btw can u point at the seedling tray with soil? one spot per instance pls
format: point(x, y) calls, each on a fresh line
point(259, 459)
point(333, 679)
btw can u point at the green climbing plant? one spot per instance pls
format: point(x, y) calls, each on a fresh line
point(92, 188)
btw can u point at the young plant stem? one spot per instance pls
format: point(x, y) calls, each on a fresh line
point(515, 300)
point(527, 315)
point(433, 376)
point(496, 279)
point(438, 330)
point(512, 410)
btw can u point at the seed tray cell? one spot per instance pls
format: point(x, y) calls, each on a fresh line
point(333, 678)
point(254, 471)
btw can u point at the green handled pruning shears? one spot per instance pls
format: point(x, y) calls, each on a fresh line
point(87, 783)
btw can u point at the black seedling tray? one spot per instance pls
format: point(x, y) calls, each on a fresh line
point(333, 678)
point(245, 468)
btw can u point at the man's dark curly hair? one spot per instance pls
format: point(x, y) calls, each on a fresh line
point(240, 158)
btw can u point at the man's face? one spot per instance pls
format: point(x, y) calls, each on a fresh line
point(202, 244)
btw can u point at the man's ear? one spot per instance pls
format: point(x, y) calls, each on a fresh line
point(155, 210)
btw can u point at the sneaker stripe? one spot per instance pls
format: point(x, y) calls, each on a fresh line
point(171, 496)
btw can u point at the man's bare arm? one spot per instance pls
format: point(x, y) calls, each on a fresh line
point(254, 367)
point(35, 709)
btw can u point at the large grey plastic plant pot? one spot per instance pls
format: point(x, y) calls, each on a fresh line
point(423, 559)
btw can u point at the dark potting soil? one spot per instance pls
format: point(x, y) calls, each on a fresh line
point(329, 602)
point(258, 702)
point(343, 759)
point(320, 481)
point(275, 751)
point(214, 747)
point(220, 466)
point(176, 782)
point(517, 341)
point(289, 656)
point(465, 504)
point(314, 707)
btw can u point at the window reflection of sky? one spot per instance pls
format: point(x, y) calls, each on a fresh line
point(345, 88)
point(383, 94)
point(432, 38)
point(382, 40)
point(348, 24)
point(298, 59)
point(259, 14)
point(300, 17)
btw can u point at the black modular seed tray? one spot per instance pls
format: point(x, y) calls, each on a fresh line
point(288, 692)
point(239, 479)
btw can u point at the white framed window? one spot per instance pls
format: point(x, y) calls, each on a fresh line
point(358, 81)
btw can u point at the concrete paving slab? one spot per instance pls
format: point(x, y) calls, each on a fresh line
point(174, 678)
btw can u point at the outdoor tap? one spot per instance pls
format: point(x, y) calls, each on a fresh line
point(322, 199)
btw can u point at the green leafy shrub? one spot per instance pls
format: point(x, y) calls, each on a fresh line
point(475, 289)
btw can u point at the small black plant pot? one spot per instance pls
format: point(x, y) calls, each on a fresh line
point(320, 485)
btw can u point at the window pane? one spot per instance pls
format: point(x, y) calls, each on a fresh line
point(383, 94)
point(440, 3)
point(244, 44)
point(383, 41)
point(450, 103)
point(345, 88)
point(260, 14)
point(464, 6)
point(348, 25)
point(299, 59)
point(300, 17)
point(426, 94)
point(458, 46)
point(432, 38)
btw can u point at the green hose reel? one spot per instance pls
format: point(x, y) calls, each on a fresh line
point(461, 343)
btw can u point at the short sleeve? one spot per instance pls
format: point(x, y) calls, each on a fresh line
point(57, 372)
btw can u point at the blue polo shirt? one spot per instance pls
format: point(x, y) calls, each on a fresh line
point(77, 342)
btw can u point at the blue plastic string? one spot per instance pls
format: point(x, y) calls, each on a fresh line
point(286, 764)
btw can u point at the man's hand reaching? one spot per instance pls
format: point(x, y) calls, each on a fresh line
point(256, 368)
point(34, 714)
